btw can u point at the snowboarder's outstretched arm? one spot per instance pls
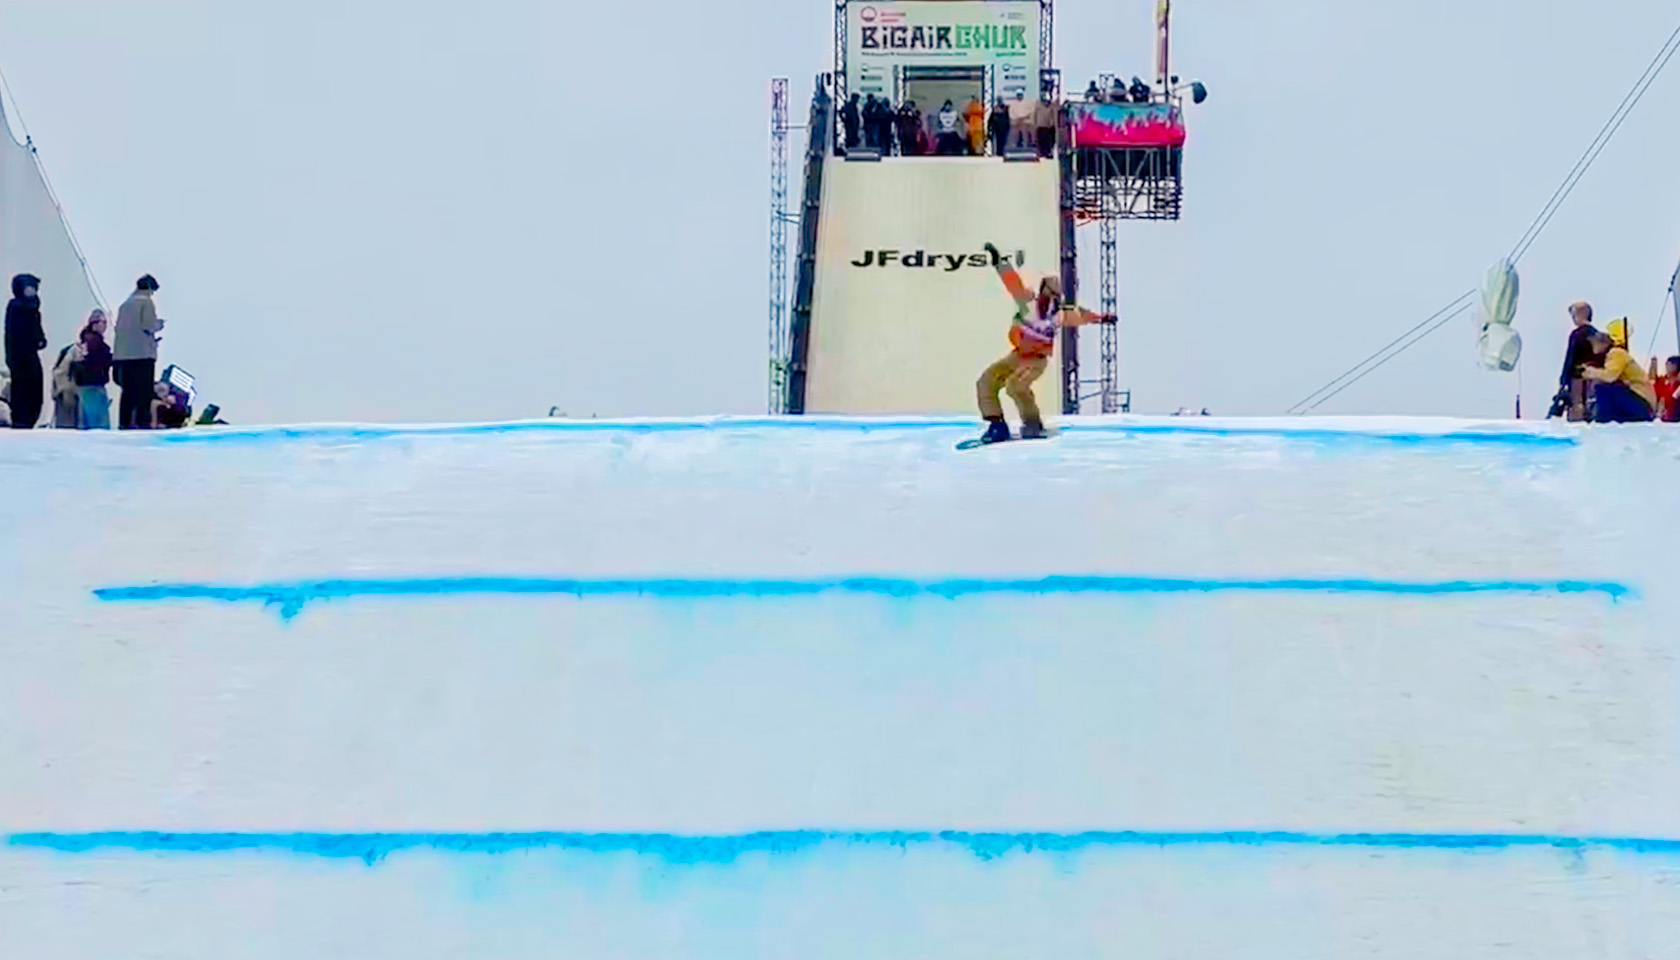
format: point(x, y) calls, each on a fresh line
point(1073, 316)
point(1011, 280)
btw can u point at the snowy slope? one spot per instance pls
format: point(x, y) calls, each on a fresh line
point(1294, 688)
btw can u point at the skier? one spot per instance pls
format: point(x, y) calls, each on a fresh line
point(1033, 338)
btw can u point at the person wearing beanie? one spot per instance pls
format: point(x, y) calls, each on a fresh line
point(134, 355)
point(25, 339)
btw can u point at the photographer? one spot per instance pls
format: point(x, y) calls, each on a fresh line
point(1571, 400)
point(134, 355)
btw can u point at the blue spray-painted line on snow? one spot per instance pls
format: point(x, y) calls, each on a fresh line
point(357, 432)
point(688, 850)
point(291, 598)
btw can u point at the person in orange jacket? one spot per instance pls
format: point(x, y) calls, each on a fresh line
point(1032, 339)
point(974, 116)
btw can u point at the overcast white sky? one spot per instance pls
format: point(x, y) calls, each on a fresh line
point(420, 210)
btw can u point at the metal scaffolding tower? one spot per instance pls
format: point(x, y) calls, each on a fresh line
point(777, 402)
point(1107, 185)
point(1109, 266)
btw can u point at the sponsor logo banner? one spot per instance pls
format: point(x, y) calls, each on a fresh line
point(1000, 34)
point(925, 260)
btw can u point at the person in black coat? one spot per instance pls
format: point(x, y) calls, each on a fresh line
point(1571, 400)
point(870, 123)
point(850, 118)
point(997, 126)
point(25, 339)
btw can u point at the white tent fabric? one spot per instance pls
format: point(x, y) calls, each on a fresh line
point(1499, 347)
point(34, 239)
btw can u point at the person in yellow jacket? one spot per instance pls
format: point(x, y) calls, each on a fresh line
point(1032, 338)
point(1620, 390)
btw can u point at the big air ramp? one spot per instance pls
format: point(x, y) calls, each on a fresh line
point(907, 308)
point(827, 689)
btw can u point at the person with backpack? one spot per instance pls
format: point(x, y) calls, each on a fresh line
point(25, 339)
point(64, 390)
point(91, 370)
point(134, 355)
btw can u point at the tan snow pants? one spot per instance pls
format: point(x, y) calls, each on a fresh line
point(1015, 376)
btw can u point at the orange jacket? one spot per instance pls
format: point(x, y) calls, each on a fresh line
point(1033, 334)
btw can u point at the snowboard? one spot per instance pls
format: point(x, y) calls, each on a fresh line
point(977, 442)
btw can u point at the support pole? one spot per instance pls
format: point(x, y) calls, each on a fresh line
point(1674, 291)
point(1070, 264)
point(1163, 46)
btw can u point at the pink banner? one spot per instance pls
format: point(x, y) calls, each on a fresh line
point(1126, 125)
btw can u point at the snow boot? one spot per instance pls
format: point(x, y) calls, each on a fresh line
point(997, 431)
point(1033, 430)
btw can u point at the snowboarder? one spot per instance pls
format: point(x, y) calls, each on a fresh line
point(1032, 336)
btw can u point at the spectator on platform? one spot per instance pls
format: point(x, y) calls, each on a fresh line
point(91, 370)
point(950, 143)
point(974, 123)
point(1572, 387)
point(1093, 93)
point(1044, 121)
point(997, 127)
point(25, 339)
point(909, 120)
point(871, 116)
point(1667, 386)
point(134, 355)
point(1021, 134)
point(1117, 93)
point(1620, 391)
point(1141, 92)
point(849, 120)
point(64, 390)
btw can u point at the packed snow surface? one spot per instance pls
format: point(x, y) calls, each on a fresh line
point(830, 688)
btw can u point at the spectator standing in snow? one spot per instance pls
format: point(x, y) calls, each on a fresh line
point(1621, 393)
point(25, 339)
point(134, 355)
point(1576, 356)
point(1666, 385)
point(64, 390)
point(91, 370)
point(997, 126)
